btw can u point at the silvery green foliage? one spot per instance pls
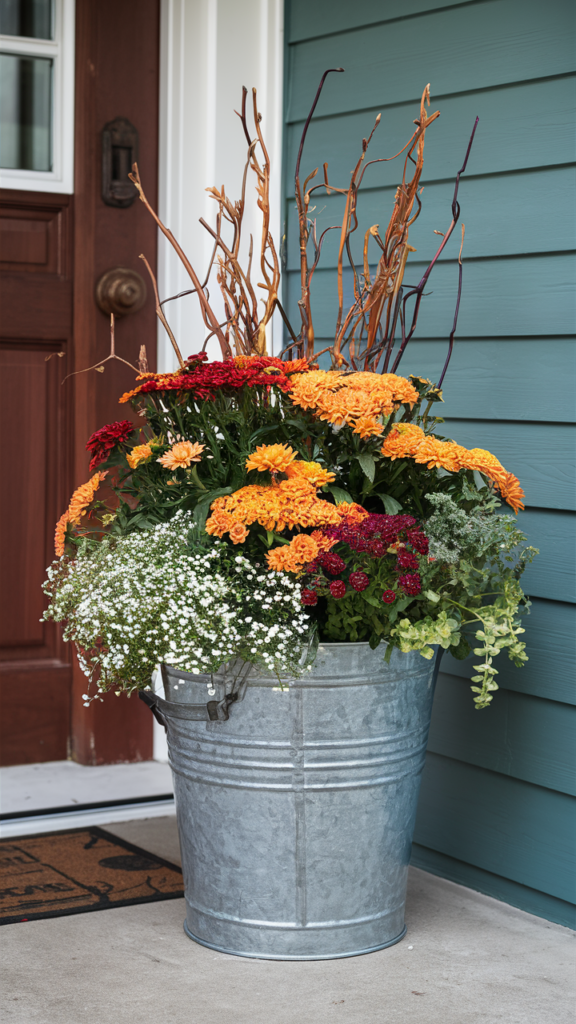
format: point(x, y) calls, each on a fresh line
point(424, 635)
point(480, 555)
point(133, 602)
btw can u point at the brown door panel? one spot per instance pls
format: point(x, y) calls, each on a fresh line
point(53, 249)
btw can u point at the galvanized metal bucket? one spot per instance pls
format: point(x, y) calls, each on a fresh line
point(296, 812)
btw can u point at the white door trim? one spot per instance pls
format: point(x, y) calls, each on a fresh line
point(209, 49)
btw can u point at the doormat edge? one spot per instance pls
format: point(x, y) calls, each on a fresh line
point(70, 912)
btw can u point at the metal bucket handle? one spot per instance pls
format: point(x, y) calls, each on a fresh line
point(213, 711)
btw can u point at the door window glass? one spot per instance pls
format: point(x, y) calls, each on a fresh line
point(32, 18)
point(25, 112)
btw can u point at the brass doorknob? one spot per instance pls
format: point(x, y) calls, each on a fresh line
point(120, 291)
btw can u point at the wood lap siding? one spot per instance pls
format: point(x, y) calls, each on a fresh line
point(497, 804)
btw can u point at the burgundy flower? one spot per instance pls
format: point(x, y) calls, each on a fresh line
point(410, 583)
point(332, 563)
point(358, 580)
point(418, 541)
point(388, 596)
point(309, 597)
point(378, 549)
point(338, 588)
point(103, 441)
point(406, 560)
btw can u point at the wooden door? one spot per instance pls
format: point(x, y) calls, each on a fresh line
point(53, 249)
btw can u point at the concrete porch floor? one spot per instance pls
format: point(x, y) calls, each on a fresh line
point(467, 959)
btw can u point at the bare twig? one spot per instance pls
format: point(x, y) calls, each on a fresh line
point(418, 291)
point(456, 311)
point(99, 366)
point(160, 314)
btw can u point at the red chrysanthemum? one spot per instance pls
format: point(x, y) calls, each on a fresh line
point(309, 597)
point(104, 441)
point(338, 588)
point(406, 560)
point(388, 596)
point(410, 583)
point(418, 541)
point(332, 563)
point(358, 580)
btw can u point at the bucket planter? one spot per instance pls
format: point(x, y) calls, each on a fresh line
point(296, 814)
point(293, 518)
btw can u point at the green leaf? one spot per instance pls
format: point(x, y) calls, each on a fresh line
point(340, 495)
point(391, 506)
point(368, 464)
point(203, 507)
point(432, 596)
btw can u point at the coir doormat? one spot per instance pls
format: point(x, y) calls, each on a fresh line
point(76, 871)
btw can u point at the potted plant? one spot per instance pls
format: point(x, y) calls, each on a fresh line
point(294, 543)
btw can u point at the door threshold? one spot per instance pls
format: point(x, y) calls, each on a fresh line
point(56, 819)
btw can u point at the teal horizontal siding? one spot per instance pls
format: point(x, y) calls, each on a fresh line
point(503, 216)
point(497, 804)
point(476, 46)
point(521, 736)
point(501, 378)
point(531, 900)
point(525, 125)
point(550, 671)
point(542, 456)
point(518, 296)
point(306, 20)
point(552, 574)
point(523, 832)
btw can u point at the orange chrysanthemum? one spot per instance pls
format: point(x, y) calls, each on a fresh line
point(304, 547)
point(512, 492)
point(272, 457)
point(220, 522)
point(77, 508)
point(293, 557)
point(313, 472)
point(407, 441)
point(139, 454)
point(60, 533)
point(181, 455)
point(83, 496)
point(355, 399)
point(403, 441)
point(238, 533)
point(367, 426)
point(161, 378)
point(351, 511)
point(289, 504)
point(323, 543)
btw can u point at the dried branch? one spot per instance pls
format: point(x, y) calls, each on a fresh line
point(99, 366)
point(160, 314)
point(456, 311)
point(207, 312)
point(302, 203)
point(418, 291)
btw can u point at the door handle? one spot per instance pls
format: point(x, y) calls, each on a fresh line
point(120, 291)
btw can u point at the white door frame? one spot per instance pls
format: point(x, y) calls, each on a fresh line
point(209, 49)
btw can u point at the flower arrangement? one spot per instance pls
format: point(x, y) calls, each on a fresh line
point(321, 500)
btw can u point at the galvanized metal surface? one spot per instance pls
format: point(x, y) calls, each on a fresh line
point(296, 815)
